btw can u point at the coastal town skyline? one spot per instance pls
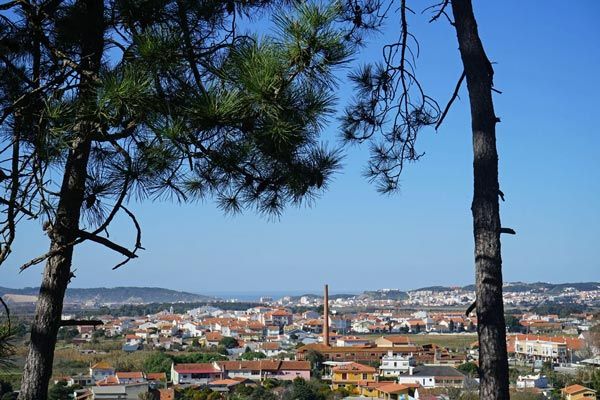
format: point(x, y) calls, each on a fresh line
point(299, 200)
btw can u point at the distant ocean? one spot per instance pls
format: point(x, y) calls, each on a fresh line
point(256, 295)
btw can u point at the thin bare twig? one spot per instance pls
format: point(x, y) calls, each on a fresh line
point(454, 96)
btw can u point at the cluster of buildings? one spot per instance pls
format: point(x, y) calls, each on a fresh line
point(256, 370)
point(515, 294)
point(460, 296)
point(554, 349)
point(104, 382)
point(386, 363)
point(551, 323)
point(270, 330)
point(539, 383)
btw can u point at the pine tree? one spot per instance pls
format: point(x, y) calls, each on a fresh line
point(160, 99)
point(392, 108)
point(7, 349)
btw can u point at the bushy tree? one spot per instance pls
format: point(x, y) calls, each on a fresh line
point(253, 355)
point(307, 390)
point(316, 360)
point(261, 393)
point(512, 323)
point(228, 342)
point(5, 388)
point(158, 362)
point(60, 391)
point(469, 368)
point(66, 333)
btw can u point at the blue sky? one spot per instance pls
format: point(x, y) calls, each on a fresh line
point(353, 238)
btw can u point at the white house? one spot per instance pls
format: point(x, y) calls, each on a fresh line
point(126, 378)
point(101, 370)
point(395, 365)
point(349, 341)
point(434, 376)
point(119, 392)
point(194, 374)
point(532, 381)
point(192, 329)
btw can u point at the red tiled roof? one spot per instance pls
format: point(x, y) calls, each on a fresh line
point(270, 346)
point(213, 336)
point(156, 376)
point(167, 394)
point(281, 313)
point(392, 388)
point(397, 339)
point(264, 365)
point(576, 389)
point(108, 381)
point(224, 382)
point(571, 342)
point(354, 367)
point(129, 375)
point(102, 365)
point(196, 368)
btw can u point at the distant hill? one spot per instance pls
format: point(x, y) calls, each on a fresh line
point(341, 296)
point(312, 296)
point(435, 289)
point(384, 294)
point(116, 295)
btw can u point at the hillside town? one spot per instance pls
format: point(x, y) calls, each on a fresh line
point(516, 294)
point(381, 354)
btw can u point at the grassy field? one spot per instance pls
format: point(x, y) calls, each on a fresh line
point(461, 341)
point(454, 342)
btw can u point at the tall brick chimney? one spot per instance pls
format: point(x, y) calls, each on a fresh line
point(326, 316)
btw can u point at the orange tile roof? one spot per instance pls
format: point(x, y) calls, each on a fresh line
point(576, 389)
point(354, 367)
point(213, 336)
point(281, 313)
point(108, 381)
point(571, 342)
point(156, 376)
point(295, 365)
point(226, 382)
point(320, 347)
point(393, 388)
point(270, 346)
point(102, 365)
point(196, 368)
point(129, 375)
point(264, 365)
point(167, 394)
point(397, 339)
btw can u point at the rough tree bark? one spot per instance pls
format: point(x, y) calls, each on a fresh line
point(57, 272)
point(491, 328)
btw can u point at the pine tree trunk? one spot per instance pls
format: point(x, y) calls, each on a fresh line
point(38, 366)
point(493, 362)
point(57, 273)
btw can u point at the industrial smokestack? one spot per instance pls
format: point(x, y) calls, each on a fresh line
point(326, 316)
